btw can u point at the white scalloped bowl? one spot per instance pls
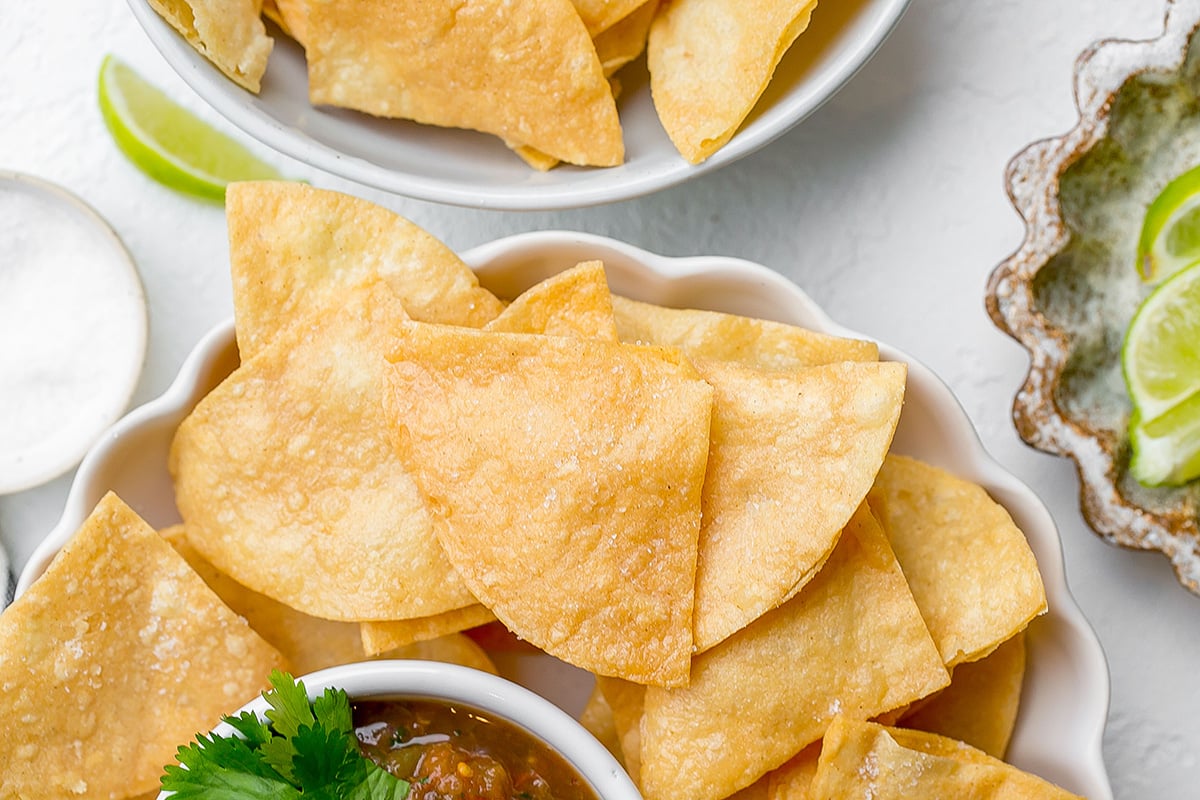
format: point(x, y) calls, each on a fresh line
point(476, 170)
point(1065, 697)
point(431, 680)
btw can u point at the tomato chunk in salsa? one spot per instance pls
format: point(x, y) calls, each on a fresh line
point(455, 752)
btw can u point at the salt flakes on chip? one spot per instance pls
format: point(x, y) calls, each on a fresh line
point(229, 33)
point(863, 759)
point(286, 478)
point(114, 657)
point(852, 642)
point(989, 589)
point(792, 456)
point(534, 80)
point(710, 61)
point(292, 248)
point(564, 477)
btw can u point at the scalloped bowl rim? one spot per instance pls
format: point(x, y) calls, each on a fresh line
point(1053, 735)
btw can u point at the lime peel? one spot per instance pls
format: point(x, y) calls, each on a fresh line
point(1170, 235)
point(168, 142)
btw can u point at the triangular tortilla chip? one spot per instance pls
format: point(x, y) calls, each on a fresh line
point(862, 759)
point(307, 643)
point(565, 479)
point(793, 779)
point(381, 637)
point(287, 481)
point(575, 302)
point(728, 337)
point(112, 659)
point(980, 705)
point(792, 455)
point(852, 642)
point(710, 61)
point(969, 566)
point(625, 40)
point(290, 15)
point(534, 80)
point(292, 248)
point(229, 33)
point(453, 648)
point(601, 15)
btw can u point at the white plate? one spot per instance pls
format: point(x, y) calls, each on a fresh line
point(473, 169)
point(72, 330)
point(1065, 697)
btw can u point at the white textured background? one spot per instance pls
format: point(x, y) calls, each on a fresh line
point(887, 206)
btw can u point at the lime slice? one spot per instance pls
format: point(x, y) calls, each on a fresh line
point(168, 142)
point(1161, 362)
point(1170, 238)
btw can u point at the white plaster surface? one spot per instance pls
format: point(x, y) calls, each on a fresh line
point(887, 206)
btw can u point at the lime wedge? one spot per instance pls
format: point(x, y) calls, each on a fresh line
point(1170, 237)
point(1161, 362)
point(168, 142)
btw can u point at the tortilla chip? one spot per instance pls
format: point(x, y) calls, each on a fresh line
point(852, 642)
point(575, 302)
point(862, 759)
point(710, 61)
point(293, 248)
point(451, 649)
point(980, 705)
point(628, 703)
point(114, 657)
point(625, 40)
point(770, 521)
point(307, 643)
point(535, 79)
point(600, 15)
point(287, 481)
point(534, 157)
point(727, 337)
point(290, 15)
point(793, 780)
point(380, 637)
point(572, 514)
point(597, 719)
point(229, 33)
point(969, 566)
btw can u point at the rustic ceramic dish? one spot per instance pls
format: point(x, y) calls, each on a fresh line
point(1069, 291)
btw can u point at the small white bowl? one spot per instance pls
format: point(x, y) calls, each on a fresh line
point(1065, 695)
point(430, 680)
point(473, 169)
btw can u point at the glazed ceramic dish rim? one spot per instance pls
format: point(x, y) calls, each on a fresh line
point(1032, 179)
point(124, 369)
point(1055, 737)
point(577, 187)
point(414, 679)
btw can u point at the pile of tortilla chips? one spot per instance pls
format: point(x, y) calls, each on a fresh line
point(700, 509)
point(537, 73)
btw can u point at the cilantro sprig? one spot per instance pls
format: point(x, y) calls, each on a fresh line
point(303, 750)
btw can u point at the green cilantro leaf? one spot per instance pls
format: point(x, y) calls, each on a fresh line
point(305, 751)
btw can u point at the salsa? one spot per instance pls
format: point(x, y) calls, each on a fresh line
point(455, 752)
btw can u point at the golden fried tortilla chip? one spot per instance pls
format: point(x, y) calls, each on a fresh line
point(628, 703)
point(601, 15)
point(852, 642)
point(287, 481)
point(293, 248)
point(290, 15)
point(564, 475)
point(792, 455)
point(710, 61)
point(792, 780)
point(112, 659)
point(597, 719)
point(229, 33)
point(625, 40)
point(862, 759)
point(307, 643)
point(453, 648)
point(524, 70)
point(969, 566)
point(380, 637)
point(980, 705)
point(575, 302)
point(729, 337)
